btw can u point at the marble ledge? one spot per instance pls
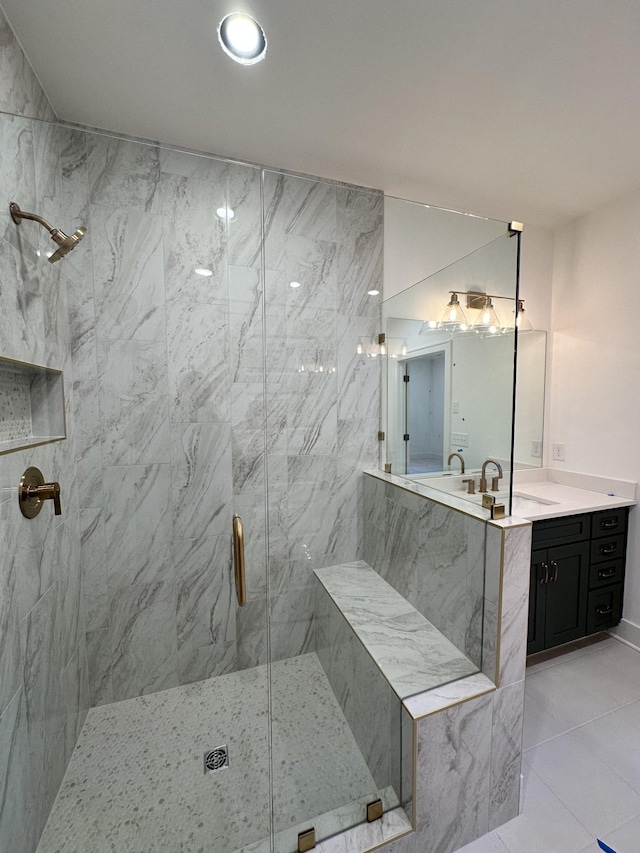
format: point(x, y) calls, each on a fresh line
point(365, 837)
point(435, 495)
point(543, 493)
point(454, 693)
point(410, 652)
point(368, 836)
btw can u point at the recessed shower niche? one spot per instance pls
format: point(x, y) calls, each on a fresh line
point(31, 405)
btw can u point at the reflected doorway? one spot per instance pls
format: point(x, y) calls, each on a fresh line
point(426, 409)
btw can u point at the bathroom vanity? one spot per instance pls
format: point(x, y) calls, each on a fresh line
point(577, 577)
point(578, 554)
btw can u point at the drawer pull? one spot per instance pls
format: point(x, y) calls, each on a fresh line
point(611, 548)
point(604, 610)
point(606, 573)
point(545, 579)
point(554, 566)
point(608, 523)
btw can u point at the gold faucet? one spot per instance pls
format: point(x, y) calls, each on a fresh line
point(451, 455)
point(494, 480)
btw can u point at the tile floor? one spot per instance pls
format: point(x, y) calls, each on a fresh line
point(581, 761)
point(136, 782)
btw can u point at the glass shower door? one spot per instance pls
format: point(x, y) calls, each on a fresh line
point(335, 727)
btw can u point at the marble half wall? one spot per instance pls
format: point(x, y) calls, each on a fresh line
point(433, 556)
point(467, 777)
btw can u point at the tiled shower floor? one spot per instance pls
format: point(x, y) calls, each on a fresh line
point(136, 783)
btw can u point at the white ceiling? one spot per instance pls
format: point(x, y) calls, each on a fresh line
point(512, 109)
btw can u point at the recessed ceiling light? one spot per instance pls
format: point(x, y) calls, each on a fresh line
point(226, 213)
point(242, 38)
point(373, 292)
point(203, 272)
point(294, 284)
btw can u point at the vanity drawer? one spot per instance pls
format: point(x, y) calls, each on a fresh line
point(603, 574)
point(604, 608)
point(610, 548)
point(560, 531)
point(608, 522)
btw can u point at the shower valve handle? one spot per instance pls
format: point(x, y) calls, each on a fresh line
point(33, 492)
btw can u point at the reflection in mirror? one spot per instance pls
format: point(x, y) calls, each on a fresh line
point(449, 382)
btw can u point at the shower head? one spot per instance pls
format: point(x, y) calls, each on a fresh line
point(65, 243)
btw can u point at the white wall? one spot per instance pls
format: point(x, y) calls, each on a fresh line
point(595, 373)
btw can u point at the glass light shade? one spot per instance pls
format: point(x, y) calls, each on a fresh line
point(428, 326)
point(454, 318)
point(487, 320)
point(522, 321)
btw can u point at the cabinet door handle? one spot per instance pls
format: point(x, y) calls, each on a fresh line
point(608, 523)
point(606, 573)
point(604, 610)
point(545, 579)
point(554, 566)
point(611, 548)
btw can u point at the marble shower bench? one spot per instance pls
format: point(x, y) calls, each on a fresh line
point(410, 652)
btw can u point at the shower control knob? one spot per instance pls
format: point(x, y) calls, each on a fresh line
point(33, 492)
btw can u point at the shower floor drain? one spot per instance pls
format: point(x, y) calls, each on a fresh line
point(216, 759)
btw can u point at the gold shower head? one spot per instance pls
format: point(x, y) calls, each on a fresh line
point(65, 243)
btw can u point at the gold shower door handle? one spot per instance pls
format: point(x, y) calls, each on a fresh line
point(238, 560)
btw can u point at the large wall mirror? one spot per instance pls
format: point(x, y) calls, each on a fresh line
point(450, 342)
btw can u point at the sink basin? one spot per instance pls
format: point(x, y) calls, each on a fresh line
point(528, 505)
point(534, 499)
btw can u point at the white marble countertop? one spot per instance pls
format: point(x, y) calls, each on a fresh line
point(554, 493)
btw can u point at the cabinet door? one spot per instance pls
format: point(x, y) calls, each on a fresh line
point(566, 594)
point(537, 597)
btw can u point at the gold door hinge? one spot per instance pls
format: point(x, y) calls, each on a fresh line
point(306, 840)
point(380, 436)
point(374, 811)
point(382, 338)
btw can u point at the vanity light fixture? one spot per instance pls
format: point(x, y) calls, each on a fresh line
point(205, 273)
point(294, 284)
point(242, 38)
point(373, 292)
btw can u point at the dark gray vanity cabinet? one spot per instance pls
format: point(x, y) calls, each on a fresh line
point(577, 575)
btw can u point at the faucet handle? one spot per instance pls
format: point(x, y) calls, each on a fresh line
point(494, 483)
point(471, 486)
point(33, 492)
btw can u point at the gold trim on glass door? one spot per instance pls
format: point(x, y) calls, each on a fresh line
point(238, 560)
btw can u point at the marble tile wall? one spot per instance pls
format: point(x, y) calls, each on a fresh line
point(433, 556)
point(43, 663)
point(191, 398)
point(371, 708)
